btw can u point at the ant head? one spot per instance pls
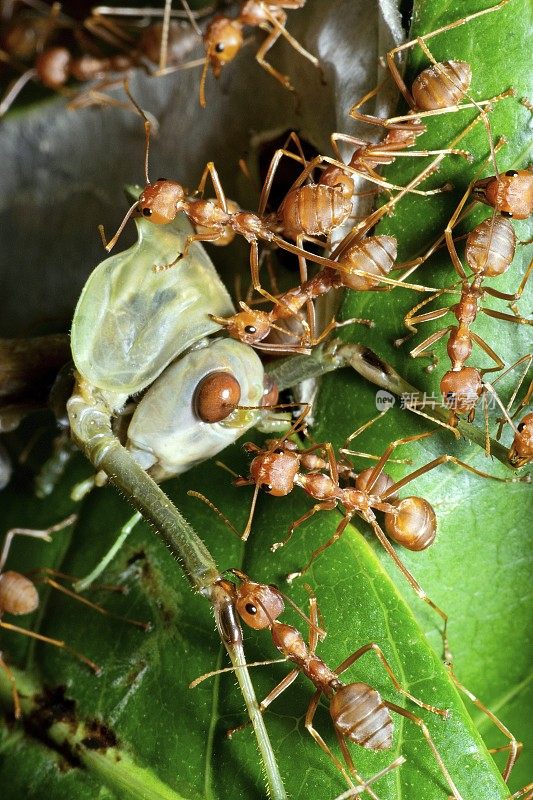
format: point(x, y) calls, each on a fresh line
point(223, 40)
point(521, 452)
point(217, 396)
point(248, 326)
point(274, 471)
point(338, 179)
point(159, 201)
point(18, 595)
point(461, 389)
point(259, 605)
point(511, 193)
point(52, 67)
point(414, 525)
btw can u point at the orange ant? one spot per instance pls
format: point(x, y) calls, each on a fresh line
point(439, 89)
point(521, 450)
point(358, 712)
point(54, 66)
point(161, 201)
point(410, 521)
point(18, 596)
point(224, 38)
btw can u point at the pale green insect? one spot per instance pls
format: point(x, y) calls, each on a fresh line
point(138, 329)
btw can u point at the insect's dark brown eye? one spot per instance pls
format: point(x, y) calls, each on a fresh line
point(520, 427)
point(266, 487)
point(507, 214)
point(147, 212)
point(250, 329)
point(250, 608)
point(219, 47)
point(278, 450)
point(216, 397)
point(511, 173)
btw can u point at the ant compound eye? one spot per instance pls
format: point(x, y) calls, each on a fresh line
point(216, 397)
point(250, 329)
point(219, 47)
point(508, 214)
point(250, 608)
point(266, 487)
point(520, 427)
point(279, 450)
point(147, 212)
point(511, 173)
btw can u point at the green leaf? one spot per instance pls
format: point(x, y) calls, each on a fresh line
point(476, 570)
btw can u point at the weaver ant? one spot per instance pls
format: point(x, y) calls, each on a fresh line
point(411, 521)
point(18, 596)
point(223, 38)
point(358, 713)
point(438, 89)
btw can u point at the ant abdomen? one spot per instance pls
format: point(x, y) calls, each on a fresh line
point(314, 210)
point(490, 247)
point(374, 254)
point(442, 85)
point(414, 525)
point(359, 714)
point(18, 595)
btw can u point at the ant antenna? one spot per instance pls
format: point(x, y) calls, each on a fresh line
point(203, 79)
point(147, 128)
point(213, 507)
point(207, 675)
point(112, 242)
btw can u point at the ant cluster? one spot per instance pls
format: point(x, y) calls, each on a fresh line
point(188, 403)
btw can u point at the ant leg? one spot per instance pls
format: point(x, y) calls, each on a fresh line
point(197, 237)
point(526, 793)
point(55, 585)
point(375, 648)
point(433, 339)
point(15, 89)
point(327, 505)
point(11, 678)
point(82, 584)
point(254, 268)
point(271, 39)
point(514, 746)
point(444, 459)
point(378, 469)
point(56, 642)
point(341, 527)
point(210, 171)
point(274, 163)
point(35, 534)
point(311, 711)
point(359, 790)
point(490, 312)
point(279, 23)
point(438, 758)
point(415, 585)
point(287, 681)
point(412, 317)
point(490, 352)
